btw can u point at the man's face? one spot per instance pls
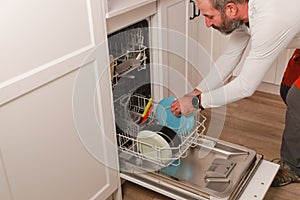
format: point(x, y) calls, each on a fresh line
point(228, 25)
point(218, 19)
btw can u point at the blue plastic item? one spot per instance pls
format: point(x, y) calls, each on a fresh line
point(164, 115)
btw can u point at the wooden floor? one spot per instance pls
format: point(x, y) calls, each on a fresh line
point(257, 123)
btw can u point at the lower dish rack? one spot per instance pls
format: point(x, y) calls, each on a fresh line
point(129, 109)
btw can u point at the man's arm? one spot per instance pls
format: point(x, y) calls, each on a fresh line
point(267, 42)
point(227, 62)
point(216, 75)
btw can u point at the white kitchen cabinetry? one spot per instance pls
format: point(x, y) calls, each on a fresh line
point(180, 46)
point(209, 46)
point(46, 151)
point(188, 46)
point(57, 136)
point(172, 19)
point(5, 192)
point(120, 13)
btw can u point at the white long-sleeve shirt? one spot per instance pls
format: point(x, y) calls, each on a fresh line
point(274, 26)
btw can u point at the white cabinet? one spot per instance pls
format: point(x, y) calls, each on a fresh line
point(57, 139)
point(172, 19)
point(43, 152)
point(120, 14)
point(52, 147)
point(179, 46)
point(281, 64)
point(188, 46)
point(5, 192)
point(209, 46)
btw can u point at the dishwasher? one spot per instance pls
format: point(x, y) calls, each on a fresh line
point(196, 167)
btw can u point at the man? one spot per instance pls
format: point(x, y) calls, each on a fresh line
point(269, 27)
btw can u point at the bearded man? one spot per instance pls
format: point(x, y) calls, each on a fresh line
point(268, 27)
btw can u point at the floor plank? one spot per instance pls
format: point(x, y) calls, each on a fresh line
point(257, 123)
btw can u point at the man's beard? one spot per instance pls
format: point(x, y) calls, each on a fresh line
point(228, 26)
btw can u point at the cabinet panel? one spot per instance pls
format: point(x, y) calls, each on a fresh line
point(43, 150)
point(281, 64)
point(203, 34)
point(210, 45)
point(34, 29)
point(196, 45)
point(192, 43)
point(219, 44)
point(45, 47)
point(174, 24)
point(119, 18)
point(5, 192)
point(44, 153)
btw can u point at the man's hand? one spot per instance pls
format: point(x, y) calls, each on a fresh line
point(183, 105)
point(175, 108)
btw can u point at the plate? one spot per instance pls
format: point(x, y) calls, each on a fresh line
point(149, 142)
point(168, 134)
point(165, 117)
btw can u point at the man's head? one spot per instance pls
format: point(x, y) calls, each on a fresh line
point(224, 15)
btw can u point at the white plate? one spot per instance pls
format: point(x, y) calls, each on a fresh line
point(154, 146)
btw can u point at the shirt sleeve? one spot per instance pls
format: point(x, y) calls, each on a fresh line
point(227, 62)
point(268, 38)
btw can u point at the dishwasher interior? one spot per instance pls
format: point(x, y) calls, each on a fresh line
point(194, 166)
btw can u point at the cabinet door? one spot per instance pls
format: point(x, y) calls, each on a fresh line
point(189, 47)
point(196, 44)
point(205, 47)
point(5, 192)
point(281, 64)
point(53, 76)
point(173, 21)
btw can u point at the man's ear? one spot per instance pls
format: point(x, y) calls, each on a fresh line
point(231, 10)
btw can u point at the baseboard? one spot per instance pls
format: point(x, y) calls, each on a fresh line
point(269, 88)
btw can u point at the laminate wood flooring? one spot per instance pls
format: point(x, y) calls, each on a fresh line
point(257, 123)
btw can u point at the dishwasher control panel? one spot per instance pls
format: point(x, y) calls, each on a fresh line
point(219, 168)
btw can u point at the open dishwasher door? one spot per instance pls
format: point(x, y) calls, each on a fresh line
point(211, 170)
point(202, 167)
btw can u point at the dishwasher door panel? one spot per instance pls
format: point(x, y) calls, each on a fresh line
point(211, 169)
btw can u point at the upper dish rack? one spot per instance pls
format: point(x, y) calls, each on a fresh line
point(124, 64)
point(129, 109)
point(128, 52)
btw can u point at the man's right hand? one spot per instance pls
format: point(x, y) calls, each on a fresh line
point(175, 108)
point(183, 105)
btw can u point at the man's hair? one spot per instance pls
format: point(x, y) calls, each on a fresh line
point(220, 4)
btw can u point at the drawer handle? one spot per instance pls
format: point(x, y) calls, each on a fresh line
point(196, 12)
